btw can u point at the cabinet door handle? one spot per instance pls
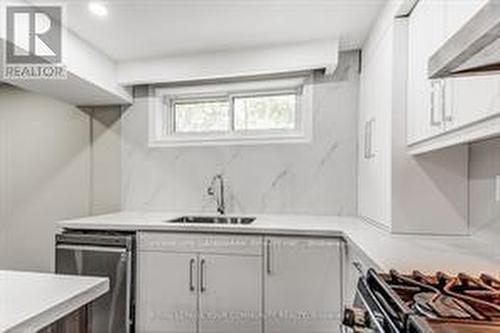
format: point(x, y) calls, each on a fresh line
point(447, 116)
point(268, 257)
point(367, 141)
point(191, 274)
point(433, 121)
point(369, 129)
point(202, 276)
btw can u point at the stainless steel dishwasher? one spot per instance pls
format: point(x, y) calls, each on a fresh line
point(107, 254)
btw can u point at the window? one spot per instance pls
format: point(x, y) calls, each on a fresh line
point(265, 112)
point(201, 116)
point(270, 111)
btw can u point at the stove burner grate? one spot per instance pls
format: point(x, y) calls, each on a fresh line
point(441, 297)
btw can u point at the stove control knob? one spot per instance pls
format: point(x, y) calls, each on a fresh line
point(355, 318)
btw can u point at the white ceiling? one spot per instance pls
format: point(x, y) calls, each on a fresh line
point(140, 29)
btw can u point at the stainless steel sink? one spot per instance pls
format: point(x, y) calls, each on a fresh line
point(213, 219)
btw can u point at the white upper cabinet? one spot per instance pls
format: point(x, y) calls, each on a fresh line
point(469, 99)
point(426, 33)
point(438, 109)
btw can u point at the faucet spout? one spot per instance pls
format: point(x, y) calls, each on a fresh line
point(218, 195)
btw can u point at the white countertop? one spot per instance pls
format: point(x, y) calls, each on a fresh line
point(453, 254)
point(30, 301)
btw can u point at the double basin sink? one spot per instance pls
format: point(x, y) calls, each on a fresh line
point(213, 220)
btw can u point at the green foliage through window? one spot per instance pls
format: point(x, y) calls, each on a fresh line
point(202, 116)
point(238, 113)
point(265, 112)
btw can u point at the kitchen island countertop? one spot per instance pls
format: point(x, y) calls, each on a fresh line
point(30, 301)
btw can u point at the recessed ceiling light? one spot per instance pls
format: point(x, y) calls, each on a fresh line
point(98, 9)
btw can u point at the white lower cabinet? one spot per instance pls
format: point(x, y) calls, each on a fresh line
point(167, 296)
point(199, 283)
point(302, 285)
point(203, 283)
point(230, 300)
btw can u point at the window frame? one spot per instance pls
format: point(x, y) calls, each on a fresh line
point(162, 115)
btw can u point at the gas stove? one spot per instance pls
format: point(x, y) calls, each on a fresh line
point(415, 303)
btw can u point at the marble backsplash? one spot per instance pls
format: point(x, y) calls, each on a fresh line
point(313, 178)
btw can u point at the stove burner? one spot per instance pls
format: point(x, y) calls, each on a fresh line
point(441, 297)
point(420, 303)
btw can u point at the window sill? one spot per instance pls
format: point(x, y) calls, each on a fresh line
point(228, 140)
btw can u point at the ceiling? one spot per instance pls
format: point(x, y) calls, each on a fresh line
point(141, 29)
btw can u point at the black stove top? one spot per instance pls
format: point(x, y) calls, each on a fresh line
point(416, 302)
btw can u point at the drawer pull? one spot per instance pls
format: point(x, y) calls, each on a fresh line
point(202, 276)
point(191, 274)
point(268, 257)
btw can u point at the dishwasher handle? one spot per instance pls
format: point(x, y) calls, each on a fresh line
point(95, 239)
point(91, 248)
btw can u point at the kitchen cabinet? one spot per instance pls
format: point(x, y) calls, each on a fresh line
point(426, 32)
point(468, 99)
point(167, 299)
point(225, 283)
point(388, 177)
point(230, 293)
point(437, 109)
point(302, 285)
point(199, 283)
point(471, 99)
point(375, 129)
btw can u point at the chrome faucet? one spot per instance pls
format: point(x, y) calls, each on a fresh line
point(218, 195)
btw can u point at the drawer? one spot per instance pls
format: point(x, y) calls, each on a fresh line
point(204, 243)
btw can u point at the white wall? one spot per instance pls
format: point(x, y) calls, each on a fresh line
point(47, 172)
point(315, 178)
point(44, 175)
point(105, 159)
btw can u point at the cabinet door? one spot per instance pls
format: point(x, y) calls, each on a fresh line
point(471, 99)
point(167, 293)
point(426, 33)
point(375, 135)
point(468, 99)
point(302, 285)
point(230, 293)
